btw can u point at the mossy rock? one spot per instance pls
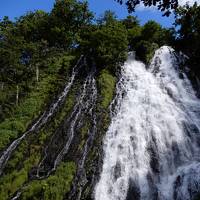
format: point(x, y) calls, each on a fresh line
point(106, 84)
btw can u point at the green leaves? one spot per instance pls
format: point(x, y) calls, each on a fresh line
point(67, 19)
point(145, 50)
point(163, 5)
point(54, 187)
point(154, 32)
point(107, 42)
point(146, 39)
point(110, 44)
point(188, 32)
point(106, 82)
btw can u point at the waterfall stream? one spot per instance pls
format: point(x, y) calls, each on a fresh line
point(153, 143)
point(42, 120)
point(85, 104)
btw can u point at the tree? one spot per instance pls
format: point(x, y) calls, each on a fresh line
point(34, 55)
point(131, 22)
point(11, 47)
point(108, 17)
point(188, 22)
point(145, 39)
point(188, 34)
point(68, 18)
point(107, 42)
point(134, 31)
point(33, 26)
point(145, 50)
point(154, 32)
point(110, 45)
point(163, 5)
point(12, 69)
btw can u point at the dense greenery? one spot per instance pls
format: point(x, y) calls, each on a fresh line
point(54, 187)
point(188, 41)
point(107, 82)
point(29, 153)
point(106, 41)
point(146, 39)
point(30, 44)
point(34, 102)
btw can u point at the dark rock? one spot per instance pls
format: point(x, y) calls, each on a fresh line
point(133, 192)
point(117, 170)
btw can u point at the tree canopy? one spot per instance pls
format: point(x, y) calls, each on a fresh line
point(188, 34)
point(28, 44)
point(163, 5)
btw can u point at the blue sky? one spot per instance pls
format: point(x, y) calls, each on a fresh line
point(15, 8)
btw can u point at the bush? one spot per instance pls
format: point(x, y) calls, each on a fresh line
point(145, 50)
point(54, 187)
point(107, 42)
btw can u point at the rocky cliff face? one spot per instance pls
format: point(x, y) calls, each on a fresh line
point(59, 156)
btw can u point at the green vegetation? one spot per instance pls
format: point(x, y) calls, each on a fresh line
point(28, 46)
point(106, 83)
point(11, 182)
point(188, 41)
point(144, 40)
point(54, 187)
point(33, 104)
point(163, 5)
point(29, 152)
point(145, 50)
point(107, 42)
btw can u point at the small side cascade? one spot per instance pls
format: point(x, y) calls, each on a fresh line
point(64, 140)
point(43, 119)
point(85, 104)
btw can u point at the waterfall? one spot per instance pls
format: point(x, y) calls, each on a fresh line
point(151, 149)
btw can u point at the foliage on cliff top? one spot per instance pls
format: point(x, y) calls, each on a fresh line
point(166, 6)
point(106, 41)
point(188, 35)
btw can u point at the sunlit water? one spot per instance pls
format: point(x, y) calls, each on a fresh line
point(152, 145)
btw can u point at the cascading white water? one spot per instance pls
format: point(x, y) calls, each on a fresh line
point(152, 145)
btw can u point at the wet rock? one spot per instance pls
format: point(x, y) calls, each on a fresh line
point(133, 192)
point(177, 185)
point(154, 159)
point(117, 170)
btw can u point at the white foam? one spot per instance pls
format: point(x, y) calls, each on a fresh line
point(154, 109)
